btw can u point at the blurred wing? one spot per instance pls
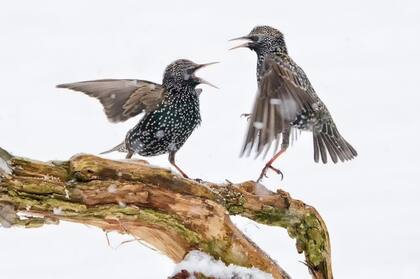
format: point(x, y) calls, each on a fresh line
point(121, 98)
point(284, 92)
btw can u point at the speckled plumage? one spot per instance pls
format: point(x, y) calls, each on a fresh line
point(286, 100)
point(172, 110)
point(167, 128)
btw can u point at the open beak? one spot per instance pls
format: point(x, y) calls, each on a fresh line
point(246, 44)
point(201, 80)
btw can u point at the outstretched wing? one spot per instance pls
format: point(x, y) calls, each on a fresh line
point(121, 98)
point(283, 92)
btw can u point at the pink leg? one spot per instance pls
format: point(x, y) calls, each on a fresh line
point(269, 165)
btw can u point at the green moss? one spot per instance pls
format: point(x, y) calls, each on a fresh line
point(233, 202)
point(34, 168)
point(214, 247)
point(39, 187)
point(170, 222)
point(235, 209)
point(32, 222)
point(46, 204)
point(220, 249)
point(305, 229)
point(200, 276)
point(276, 217)
point(148, 216)
point(5, 155)
point(63, 205)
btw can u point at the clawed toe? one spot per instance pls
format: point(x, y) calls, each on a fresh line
point(264, 172)
point(279, 172)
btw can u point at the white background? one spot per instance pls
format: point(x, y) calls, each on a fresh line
point(361, 56)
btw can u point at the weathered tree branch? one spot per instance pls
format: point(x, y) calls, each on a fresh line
point(173, 214)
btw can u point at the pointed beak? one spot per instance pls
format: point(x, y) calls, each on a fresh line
point(201, 80)
point(199, 66)
point(246, 44)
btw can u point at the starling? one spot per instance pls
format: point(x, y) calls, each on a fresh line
point(286, 102)
point(171, 109)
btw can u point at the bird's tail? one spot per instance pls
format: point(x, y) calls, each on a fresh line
point(329, 140)
point(120, 148)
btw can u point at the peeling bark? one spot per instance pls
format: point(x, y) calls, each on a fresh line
point(173, 214)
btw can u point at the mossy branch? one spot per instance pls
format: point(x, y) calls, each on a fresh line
point(173, 214)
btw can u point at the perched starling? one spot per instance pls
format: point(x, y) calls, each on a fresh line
point(172, 109)
point(286, 101)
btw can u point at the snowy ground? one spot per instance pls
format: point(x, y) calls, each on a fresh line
point(196, 261)
point(361, 56)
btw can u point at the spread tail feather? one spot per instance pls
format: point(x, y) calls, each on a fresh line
point(336, 146)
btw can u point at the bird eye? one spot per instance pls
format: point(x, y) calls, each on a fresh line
point(254, 38)
point(191, 70)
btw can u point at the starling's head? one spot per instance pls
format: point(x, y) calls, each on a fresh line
point(263, 39)
point(181, 73)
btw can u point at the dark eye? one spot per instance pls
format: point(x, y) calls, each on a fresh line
point(254, 38)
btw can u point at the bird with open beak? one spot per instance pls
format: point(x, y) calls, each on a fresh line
point(171, 109)
point(286, 102)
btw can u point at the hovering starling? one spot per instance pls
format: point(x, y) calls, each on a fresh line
point(286, 101)
point(172, 109)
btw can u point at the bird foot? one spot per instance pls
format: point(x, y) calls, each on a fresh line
point(264, 172)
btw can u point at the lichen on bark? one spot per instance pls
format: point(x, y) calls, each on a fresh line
point(173, 214)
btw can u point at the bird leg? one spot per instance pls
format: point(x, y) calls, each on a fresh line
point(129, 154)
point(268, 165)
point(172, 161)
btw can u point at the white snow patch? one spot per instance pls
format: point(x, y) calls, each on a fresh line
point(67, 193)
point(197, 261)
point(258, 125)
point(112, 188)
point(4, 167)
point(57, 210)
point(261, 190)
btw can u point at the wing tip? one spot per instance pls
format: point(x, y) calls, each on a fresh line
point(63, 85)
